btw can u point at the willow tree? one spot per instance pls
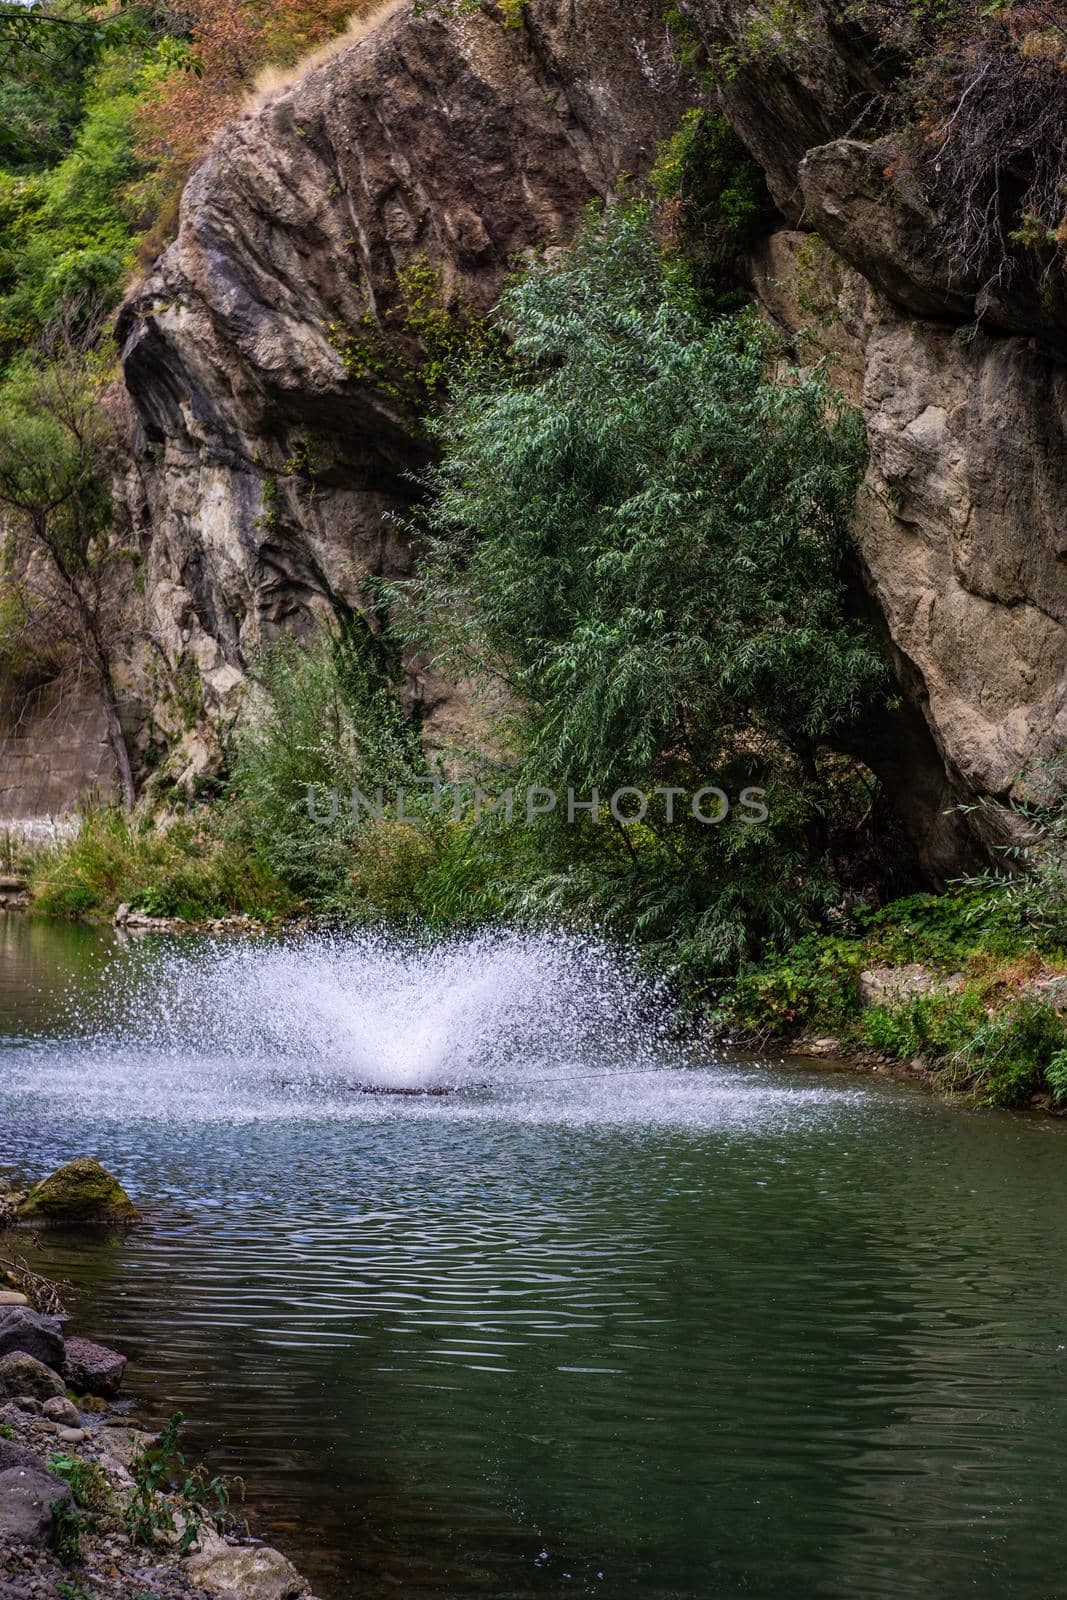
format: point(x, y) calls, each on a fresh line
point(639, 523)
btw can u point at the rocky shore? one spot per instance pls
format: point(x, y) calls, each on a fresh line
point(94, 1506)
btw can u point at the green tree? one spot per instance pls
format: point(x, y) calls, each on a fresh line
point(639, 525)
point(60, 554)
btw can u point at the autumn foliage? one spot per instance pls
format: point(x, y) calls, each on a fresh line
point(224, 46)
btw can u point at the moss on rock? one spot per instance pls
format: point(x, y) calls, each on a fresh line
point(81, 1191)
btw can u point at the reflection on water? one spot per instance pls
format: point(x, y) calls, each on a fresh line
point(696, 1329)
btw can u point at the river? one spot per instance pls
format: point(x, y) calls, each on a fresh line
point(620, 1317)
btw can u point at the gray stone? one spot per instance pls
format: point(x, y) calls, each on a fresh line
point(888, 986)
point(31, 1332)
point(422, 143)
point(27, 1498)
point(60, 1409)
point(21, 1374)
point(238, 1572)
point(123, 1444)
point(961, 532)
point(93, 1368)
point(14, 1454)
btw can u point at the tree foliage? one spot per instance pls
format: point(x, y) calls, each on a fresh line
point(641, 527)
point(56, 457)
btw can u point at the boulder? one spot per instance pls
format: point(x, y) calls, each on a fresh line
point(93, 1368)
point(13, 1454)
point(11, 1297)
point(21, 1374)
point(435, 149)
point(244, 1572)
point(27, 1501)
point(31, 1332)
point(120, 1445)
point(82, 1191)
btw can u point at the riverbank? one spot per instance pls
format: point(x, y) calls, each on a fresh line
point(957, 990)
point(965, 990)
point(93, 1504)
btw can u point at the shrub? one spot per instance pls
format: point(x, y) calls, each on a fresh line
point(713, 204)
point(1056, 1076)
point(170, 1499)
point(326, 721)
point(817, 982)
point(1011, 1053)
point(89, 1483)
point(192, 869)
point(1034, 889)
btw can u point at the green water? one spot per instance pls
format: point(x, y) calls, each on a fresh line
point(721, 1329)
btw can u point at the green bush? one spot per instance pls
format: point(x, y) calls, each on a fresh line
point(932, 1025)
point(1030, 891)
point(1056, 1076)
point(68, 234)
point(191, 869)
point(1003, 1053)
point(713, 205)
point(1009, 1056)
point(327, 721)
point(816, 983)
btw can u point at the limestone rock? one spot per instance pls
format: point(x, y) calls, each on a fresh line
point(960, 525)
point(93, 1368)
point(123, 1444)
point(240, 1572)
point(23, 1375)
point(880, 224)
point(81, 1192)
point(269, 453)
point(27, 1498)
point(441, 145)
point(795, 77)
point(32, 1333)
point(888, 986)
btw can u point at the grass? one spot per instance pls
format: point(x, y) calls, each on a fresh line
point(989, 1032)
point(191, 869)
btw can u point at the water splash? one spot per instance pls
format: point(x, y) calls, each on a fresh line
point(395, 1013)
point(544, 1026)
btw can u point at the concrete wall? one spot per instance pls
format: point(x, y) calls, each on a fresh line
point(53, 757)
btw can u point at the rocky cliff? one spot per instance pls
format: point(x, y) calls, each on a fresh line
point(275, 354)
point(952, 345)
point(333, 238)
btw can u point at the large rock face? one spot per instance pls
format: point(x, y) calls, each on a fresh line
point(961, 526)
point(274, 356)
point(958, 365)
